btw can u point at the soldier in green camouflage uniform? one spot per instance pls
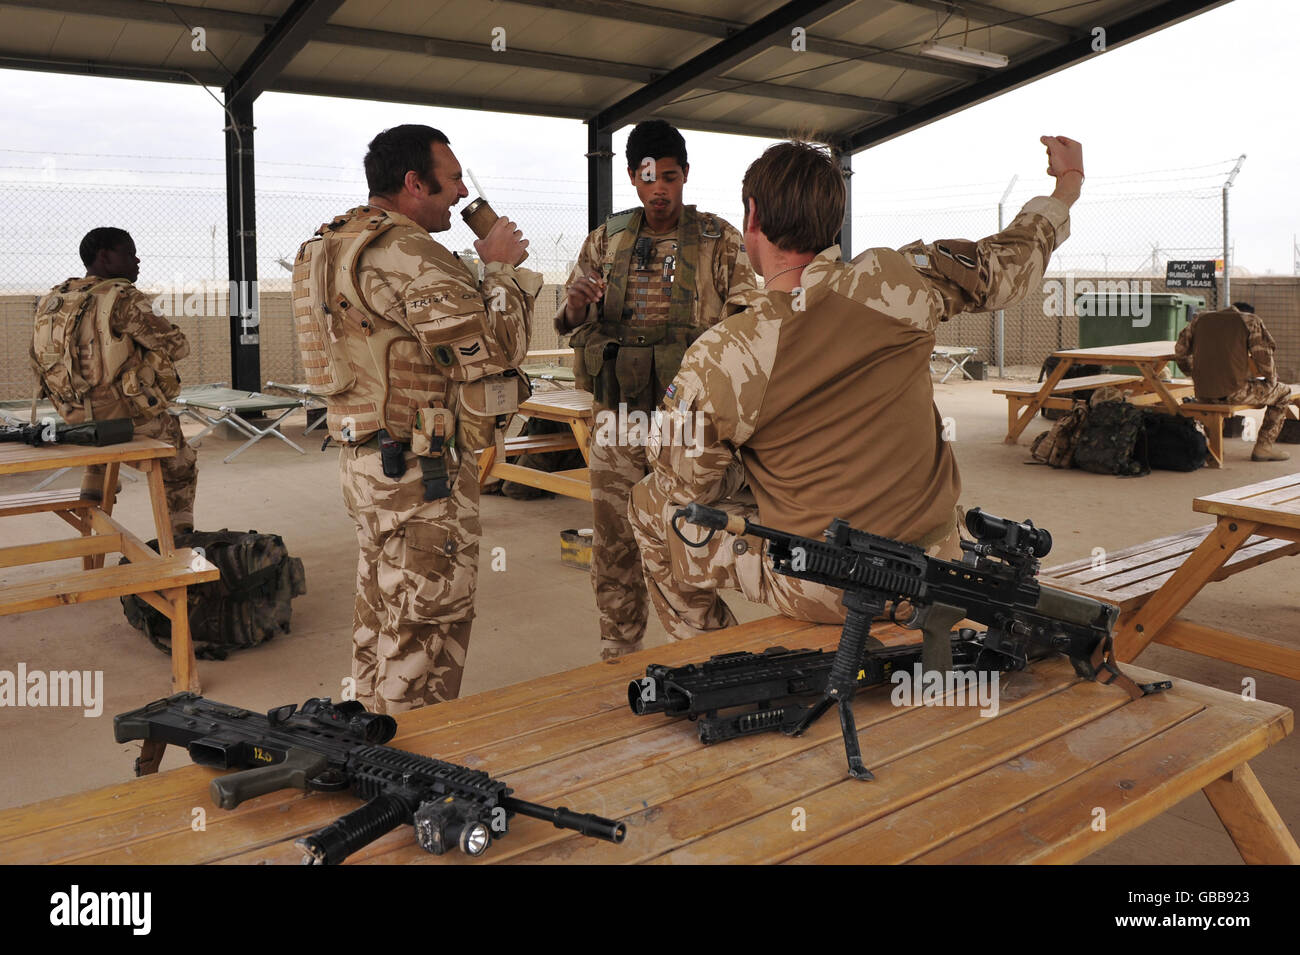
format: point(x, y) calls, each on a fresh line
point(1214, 348)
point(818, 395)
point(645, 285)
point(101, 351)
point(403, 340)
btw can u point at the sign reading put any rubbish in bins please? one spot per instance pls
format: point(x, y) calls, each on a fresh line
point(1196, 273)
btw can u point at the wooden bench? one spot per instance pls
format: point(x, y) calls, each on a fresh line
point(1212, 415)
point(1130, 576)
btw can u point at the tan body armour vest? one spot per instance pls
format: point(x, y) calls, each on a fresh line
point(86, 369)
point(622, 357)
point(374, 373)
point(1220, 353)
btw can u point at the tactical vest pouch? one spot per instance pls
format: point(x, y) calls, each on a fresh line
point(434, 429)
point(594, 356)
point(143, 399)
point(484, 408)
point(634, 368)
point(669, 355)
point(166, 379)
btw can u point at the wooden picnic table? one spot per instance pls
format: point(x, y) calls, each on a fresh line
point(160, 578)
point(1022, 786)
point(573, 408)
point(1248, 520)
point(1148, 357)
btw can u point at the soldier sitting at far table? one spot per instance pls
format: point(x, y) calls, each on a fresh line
point(1215, 348)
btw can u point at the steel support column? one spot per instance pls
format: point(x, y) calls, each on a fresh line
point(241, 238)
point(600, 175)
point(846, 229)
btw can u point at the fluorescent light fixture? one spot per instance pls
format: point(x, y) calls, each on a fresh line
point(963, 54)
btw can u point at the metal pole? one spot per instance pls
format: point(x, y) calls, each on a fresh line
point(1000, 333)
point(1227, 279)
point(600, 173)
point(846, 227)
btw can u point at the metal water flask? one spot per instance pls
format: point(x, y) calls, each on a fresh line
point(480, 217)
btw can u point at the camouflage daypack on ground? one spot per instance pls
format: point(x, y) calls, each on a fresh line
point(1056, 447)
point(248, 605)
point(1113, 440)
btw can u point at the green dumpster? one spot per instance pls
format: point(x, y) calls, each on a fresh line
point(1120, 313)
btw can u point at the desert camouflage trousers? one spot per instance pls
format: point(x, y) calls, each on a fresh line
point(1260, 392)
point(416, 575)
point(180, 473)
point(684, 581)
point(616, 573)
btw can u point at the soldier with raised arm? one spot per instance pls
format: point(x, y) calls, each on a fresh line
point(815, 401)
point(406, 341)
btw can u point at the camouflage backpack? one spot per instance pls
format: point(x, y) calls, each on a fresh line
point(247, 606)
point(1056, 447)
point(1113, 440)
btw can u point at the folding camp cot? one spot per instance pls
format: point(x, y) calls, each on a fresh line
point(309, 400)
point(214, 405)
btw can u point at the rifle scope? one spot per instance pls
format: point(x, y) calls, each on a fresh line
point(1012, 534)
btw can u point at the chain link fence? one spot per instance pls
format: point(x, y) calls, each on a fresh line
point(1124, 230)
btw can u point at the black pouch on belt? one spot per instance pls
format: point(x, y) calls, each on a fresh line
point(392, 454)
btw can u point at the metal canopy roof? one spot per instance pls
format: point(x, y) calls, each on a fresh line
point(860, 80)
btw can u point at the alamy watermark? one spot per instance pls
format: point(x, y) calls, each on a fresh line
point(1099, 298)
point(655, 429)
point(206, 298)
point(921, 687)
point(75, 688)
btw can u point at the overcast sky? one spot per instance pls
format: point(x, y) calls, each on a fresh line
point(1164, 116)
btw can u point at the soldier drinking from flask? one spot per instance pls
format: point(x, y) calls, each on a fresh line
point(646, 284)
point(406, 342)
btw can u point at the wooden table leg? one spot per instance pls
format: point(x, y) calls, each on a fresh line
point(1026, 415)
point(108, 498)
point(1251, 819)
point(185, 669)
point(582, 434)
point(162, 520)
point(486, 459)
point(1176, 592)
point(1152, 376)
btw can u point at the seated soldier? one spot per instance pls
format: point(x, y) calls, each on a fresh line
point(120, 363)
point(818, 394)
point(1215, 348)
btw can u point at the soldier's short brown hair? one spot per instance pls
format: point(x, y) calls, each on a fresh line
point(798, 190)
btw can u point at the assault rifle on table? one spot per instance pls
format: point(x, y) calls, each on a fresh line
point(328, 747)
point(995, 584)
point(94, 433)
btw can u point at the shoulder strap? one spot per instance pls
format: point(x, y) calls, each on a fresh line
point(624, 239)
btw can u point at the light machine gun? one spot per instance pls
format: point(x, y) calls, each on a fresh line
point(334, 746)
point(995, 584)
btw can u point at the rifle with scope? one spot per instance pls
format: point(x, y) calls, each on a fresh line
point(328, 747)
point(995, 584)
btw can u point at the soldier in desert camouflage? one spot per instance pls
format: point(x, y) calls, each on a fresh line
point(100, 351)
point(404, 340)
point(645, 285)
point(1215, 348)
point(815, 402)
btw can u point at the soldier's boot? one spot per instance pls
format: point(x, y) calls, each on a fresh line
point(1264, 451)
